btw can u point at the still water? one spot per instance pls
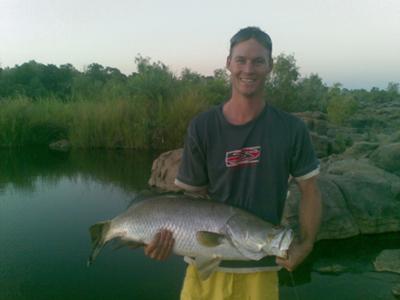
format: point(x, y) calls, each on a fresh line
point(48, 200)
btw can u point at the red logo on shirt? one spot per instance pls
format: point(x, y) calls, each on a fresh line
point(244, 156)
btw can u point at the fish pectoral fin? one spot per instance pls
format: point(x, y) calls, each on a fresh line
point(127, 243)
point(209, 239)
point(206, 266)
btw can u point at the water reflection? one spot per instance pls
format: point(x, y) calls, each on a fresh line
point(127, 169)
point(48, 200)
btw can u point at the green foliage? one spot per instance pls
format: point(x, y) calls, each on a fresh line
point(25, 122)
point(341, 107)
point(311, 94)
point(281, 86)
point(341, 143)
point(154, 81)
point(149, 109)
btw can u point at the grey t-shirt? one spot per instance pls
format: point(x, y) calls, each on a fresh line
point(248, 165)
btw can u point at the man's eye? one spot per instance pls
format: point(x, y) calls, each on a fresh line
point(259, 62)
point(240, 60)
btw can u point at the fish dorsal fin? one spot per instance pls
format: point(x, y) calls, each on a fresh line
point(206, 265)
point(209, 239)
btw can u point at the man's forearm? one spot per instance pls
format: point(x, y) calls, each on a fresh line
point(310, 211)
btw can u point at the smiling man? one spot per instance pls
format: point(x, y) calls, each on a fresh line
point(242, 153)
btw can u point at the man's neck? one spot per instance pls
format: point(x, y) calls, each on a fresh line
point(240, 110)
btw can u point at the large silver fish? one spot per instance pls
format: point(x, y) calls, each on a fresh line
point(206, 230)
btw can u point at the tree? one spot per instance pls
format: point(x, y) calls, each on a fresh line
point(281, 86)
point(312, 94)
point(341, 106)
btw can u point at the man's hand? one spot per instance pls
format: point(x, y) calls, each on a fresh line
point(296, 255)
point(160, 248)
point(310, 209)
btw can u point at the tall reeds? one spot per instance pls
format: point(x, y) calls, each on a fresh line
point(116, 123)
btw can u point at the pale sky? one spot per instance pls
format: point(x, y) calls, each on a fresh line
point(355, 42)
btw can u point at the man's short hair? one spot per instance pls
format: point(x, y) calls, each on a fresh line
point(252, 32)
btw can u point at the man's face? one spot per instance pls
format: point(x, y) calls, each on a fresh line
point(249, 65)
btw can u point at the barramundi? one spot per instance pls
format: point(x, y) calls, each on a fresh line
point(205, 230)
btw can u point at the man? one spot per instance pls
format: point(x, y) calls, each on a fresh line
point(243, 153)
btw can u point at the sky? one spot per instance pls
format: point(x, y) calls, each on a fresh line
point(353, 42)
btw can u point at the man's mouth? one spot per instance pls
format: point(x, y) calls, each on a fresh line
point(247, 80)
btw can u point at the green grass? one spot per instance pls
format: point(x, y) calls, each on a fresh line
point(135, 123)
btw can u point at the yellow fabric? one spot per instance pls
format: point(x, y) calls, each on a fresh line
point(230, 286)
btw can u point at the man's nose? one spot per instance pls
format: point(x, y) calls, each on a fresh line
point(248, 67)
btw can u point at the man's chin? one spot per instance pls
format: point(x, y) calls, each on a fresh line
point(250, 93)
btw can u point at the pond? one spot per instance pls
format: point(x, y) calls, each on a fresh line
point(48, 200)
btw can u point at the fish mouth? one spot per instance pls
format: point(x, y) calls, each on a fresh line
point(286, 240)
point(281, 243)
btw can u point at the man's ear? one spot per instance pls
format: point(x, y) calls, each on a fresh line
point(228, 62)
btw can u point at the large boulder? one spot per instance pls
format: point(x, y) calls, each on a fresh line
point(164, 170)
point(388, 261)
point(361, 149)
point(387, 157)
point(372, 194)
point(337, 221)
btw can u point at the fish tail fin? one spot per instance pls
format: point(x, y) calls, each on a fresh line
point(98, 233)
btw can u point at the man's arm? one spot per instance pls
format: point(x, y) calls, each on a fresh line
point(310, 210)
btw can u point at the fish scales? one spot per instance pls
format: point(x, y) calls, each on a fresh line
point(207, 230)
point(143, 220)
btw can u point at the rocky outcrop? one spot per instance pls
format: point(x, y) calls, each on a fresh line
point(387, 157)
point(61, 145)
point(361, 149)
point(396, 290)
point(327, 137)
point(388, 261)
point(164, 170)
point(337, 221)
point(358, 196)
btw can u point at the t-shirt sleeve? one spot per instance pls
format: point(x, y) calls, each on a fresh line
point(304, 163)
point(192, 172)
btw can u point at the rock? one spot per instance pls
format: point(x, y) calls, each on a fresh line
point(387, 157)
point(61, 145)
point(327, 138)
point(395, 137)
point(322, 144)
point(388, 260)
point(316, 121)
point(361, 149)
point(331, 269)
point(396, 290)
point(164, 170)
point(372, 194)
point(337, 222)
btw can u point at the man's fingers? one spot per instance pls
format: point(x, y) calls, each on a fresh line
point(152, 246)
point(284, 263)
point(161, 245)
point(166, 241)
